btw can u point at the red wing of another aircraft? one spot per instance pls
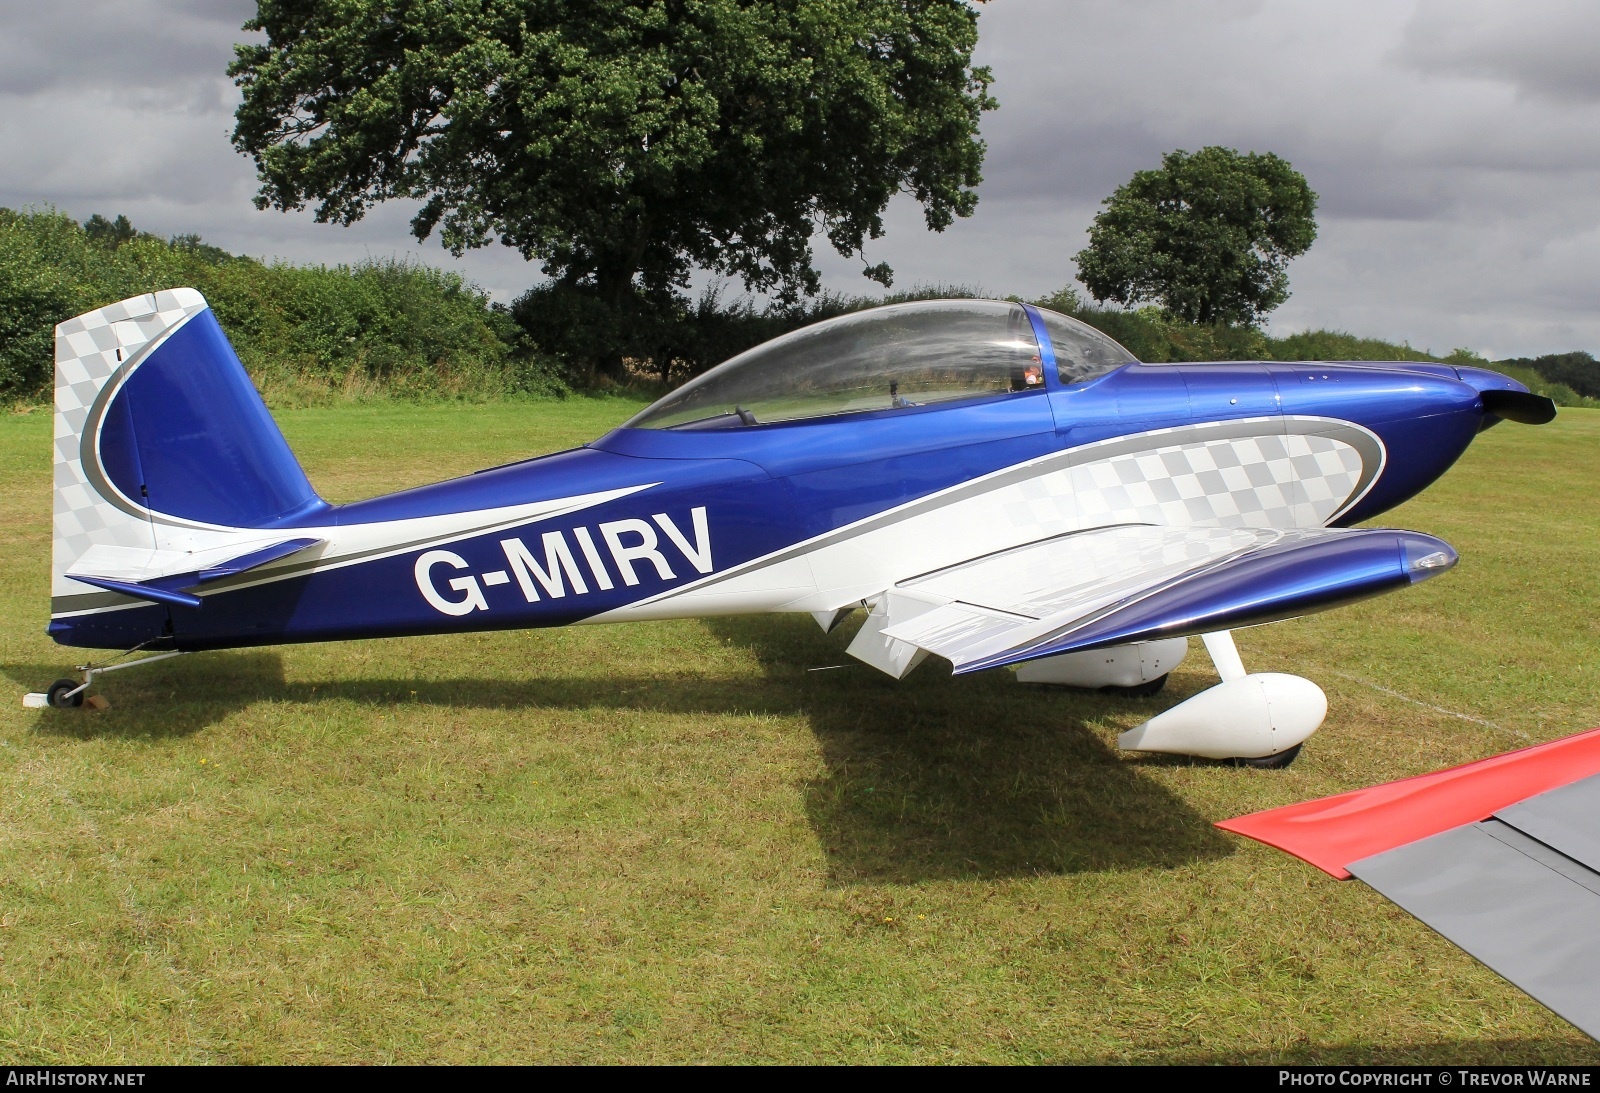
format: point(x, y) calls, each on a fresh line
point(1501, 856)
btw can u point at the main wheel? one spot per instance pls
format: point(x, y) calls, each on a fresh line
point(1140, 690)
point(58, 696)
point(1271, 762)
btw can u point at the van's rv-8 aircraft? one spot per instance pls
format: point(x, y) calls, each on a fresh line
point(998, 484)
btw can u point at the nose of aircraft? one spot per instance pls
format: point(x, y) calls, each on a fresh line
point(1426, 415)
point(1506, 399)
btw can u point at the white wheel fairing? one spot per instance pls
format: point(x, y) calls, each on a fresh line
point(1250, 717)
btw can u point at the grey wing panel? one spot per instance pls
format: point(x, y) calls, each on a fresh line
point(1521, 906)
point(1567, 819)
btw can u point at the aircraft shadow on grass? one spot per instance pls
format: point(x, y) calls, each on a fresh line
point(928, 778)
point(938, 777)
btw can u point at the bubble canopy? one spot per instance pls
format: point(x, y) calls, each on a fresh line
point(889, 358)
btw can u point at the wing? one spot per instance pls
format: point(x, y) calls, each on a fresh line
point(1133, 582)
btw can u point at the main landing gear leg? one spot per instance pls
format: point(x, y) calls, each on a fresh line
point(1254, 719)
point(66, 694)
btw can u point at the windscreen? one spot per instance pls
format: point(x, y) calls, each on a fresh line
point(1082, 352)
point(886, 358)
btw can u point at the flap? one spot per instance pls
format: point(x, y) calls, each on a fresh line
point(1522, 908)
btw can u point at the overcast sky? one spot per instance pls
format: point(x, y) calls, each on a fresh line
point(1455, 145)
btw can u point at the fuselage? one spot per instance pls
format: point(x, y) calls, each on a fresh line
point(818, 514)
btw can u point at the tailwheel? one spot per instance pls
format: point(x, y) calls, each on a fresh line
point(1271, 762)
point(67, 694)
point(59, 695)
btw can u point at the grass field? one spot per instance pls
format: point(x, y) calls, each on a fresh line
point(673, 842)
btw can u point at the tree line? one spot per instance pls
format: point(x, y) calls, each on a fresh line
point(306, 333)
point(387, 328)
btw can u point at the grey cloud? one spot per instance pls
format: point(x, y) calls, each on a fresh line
point(75, 44)
point(1313, 83)
point(1545, 48)
point(99, 144)
point(1484, 289)
point(1455, 210)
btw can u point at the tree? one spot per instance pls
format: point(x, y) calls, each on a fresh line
point(1577, 370)
point(110, 233)
point(1207, 236)
point(621, 143)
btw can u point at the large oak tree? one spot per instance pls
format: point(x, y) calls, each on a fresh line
point(621, 143)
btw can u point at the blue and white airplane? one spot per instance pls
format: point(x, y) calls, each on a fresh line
point(996, 484)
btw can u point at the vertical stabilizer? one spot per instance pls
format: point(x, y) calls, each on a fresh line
point(163, 449)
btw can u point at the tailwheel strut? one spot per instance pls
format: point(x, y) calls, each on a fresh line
point(66, 694)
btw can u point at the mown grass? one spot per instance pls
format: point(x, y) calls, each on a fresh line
point(676, 842)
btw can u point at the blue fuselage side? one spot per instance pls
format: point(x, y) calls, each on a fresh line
point(715, 499)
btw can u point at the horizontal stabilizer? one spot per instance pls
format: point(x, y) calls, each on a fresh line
point(1140, 582)
point(160, 575)
point(140, 591)
point(177, 568)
